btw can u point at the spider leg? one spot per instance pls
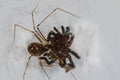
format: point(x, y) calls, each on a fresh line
point(61, 64)
point(40, 63)
point(40, 37)
point(32, 13)
point(74, 53)
point(53, 12)
point(50, 34)
point(63, 30)
point(22, 27)
point(57, 30)
point(67, 66)
point(70, 65)
point(73, 75)
point(49, 62)
point(58, 58)
point(46, 56)
point(70, 41)
point(26, 68)
point(67, 29)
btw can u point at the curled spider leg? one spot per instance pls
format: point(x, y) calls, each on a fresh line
point(70, 41)
point(56, 30)
point(50, 34)
point(63, 30)
point(49, 62)
point(22, 27)
point(26, 67)
point(70, 65)
point(40, 63)
point(74, 54)
point(67, 29)
point(49, 59)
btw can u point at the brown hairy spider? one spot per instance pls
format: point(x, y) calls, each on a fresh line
point(59, 44)
point(53, 48)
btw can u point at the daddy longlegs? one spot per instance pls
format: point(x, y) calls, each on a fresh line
point(41, 46)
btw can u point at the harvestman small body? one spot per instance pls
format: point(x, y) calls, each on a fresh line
point(38, 48)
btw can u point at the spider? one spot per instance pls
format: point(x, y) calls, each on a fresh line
point(59, 44)
point(49, 48)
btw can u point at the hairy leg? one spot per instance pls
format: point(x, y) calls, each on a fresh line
point(63, 30)
point(50, 34)
point(70, 65)
point(49, 62)
point(70, 41)
point(57, 30)
point(67, 29)
point(49, 59)
point(74, 54)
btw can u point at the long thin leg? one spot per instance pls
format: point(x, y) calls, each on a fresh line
point(22, 27)
point(73, 75)
point(53, 12)
point(33, 22)
point(40, 62)
point(42, 35)
point(26, 68)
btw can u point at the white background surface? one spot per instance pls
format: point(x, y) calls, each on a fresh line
point(97, 38)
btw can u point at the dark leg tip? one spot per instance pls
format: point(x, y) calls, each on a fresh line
point(78, 57)
point(67, 29)
point(69, 67)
